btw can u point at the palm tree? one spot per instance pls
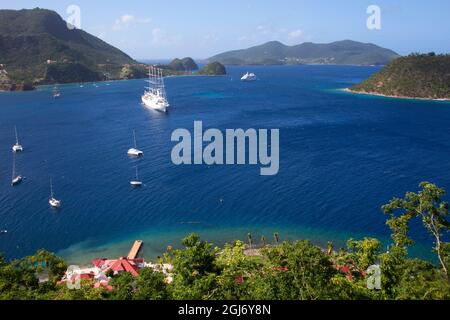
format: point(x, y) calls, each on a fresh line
point(250, 240)
point(277, 238)
point(264, 241)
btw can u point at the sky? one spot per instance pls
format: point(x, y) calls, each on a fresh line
point(165, 29)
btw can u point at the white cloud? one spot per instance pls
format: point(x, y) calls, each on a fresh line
point(161, 38)
point(295, 34)
point(127, 20)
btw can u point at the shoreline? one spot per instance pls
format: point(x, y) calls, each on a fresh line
point(348, 90)
point(35, 88)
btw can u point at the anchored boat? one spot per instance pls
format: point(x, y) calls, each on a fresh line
point(155, 94)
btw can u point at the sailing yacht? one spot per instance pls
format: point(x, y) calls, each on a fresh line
point(17, 147)
point(16, 179)
point(136, 182)
point(135, 152)
point(249, 77)
point(53, 201)
point(155, 94)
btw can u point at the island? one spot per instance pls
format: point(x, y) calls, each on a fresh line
point(213, 69)
point(345, 52)
point(38, 47)
point(417, 76)
point(183, 65)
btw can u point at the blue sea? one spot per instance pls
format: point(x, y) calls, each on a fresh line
point(342, 156)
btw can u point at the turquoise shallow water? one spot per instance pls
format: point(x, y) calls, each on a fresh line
point(341, 157)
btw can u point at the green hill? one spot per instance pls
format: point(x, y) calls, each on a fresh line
point(424, 76)
point(341, 52)
point(183, 65)
point(36, 46)
point(213, 69)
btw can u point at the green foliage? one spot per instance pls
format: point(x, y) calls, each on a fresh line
point(427, 205)
point(194, 269)
point(286, 271)
point(213, 69)
point(28, 38)
point(363, 253)
point(123, 284)
point(294, 271)
point(417, 76)
point(150, 285)
point(183, 65)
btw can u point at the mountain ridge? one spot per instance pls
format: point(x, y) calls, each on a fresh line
point(37, 47)
point(338, 52)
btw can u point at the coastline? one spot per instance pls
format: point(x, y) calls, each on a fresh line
point(348, 90)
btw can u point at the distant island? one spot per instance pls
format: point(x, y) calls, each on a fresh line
point(418, 76)
point(342, 53)
point(184, 65)
point(213, 69)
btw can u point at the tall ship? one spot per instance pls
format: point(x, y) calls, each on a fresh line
point(155, 94)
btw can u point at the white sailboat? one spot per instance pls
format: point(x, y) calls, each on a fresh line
point(17, 147)
point(16, 179)
point(155, 94)
point(135, 152)
point(52, 200)
point(136, 182)
point(248, 77)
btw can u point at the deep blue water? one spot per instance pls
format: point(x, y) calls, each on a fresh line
point(342, 156)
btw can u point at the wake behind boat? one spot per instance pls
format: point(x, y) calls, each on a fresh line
point(155, 94)
point(16, 179)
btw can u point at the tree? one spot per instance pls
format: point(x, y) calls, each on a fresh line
point(428, 205)
point(297, 271)
point(150, 285)
point(235, 271)
point(123, 285)
point(363, 253)
point(194, 272)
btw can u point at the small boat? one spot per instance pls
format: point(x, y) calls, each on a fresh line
point(16, 179)
point(136, 182)
point(17, 147)
point(53, 201)
point(248, 77)
point(135, 152)
point(155, 94)
point(56, 93)
point(3, 231)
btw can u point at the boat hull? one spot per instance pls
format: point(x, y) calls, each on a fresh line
point(16, 181)
point(54, 203)
point(135, 153)
point(151, 104)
